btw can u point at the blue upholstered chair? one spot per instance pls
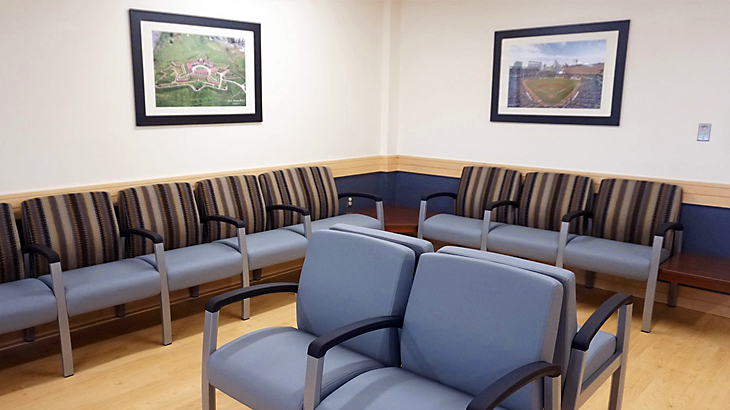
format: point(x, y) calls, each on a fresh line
point(312, 189)
point(346, 277)
point(170, 211)
point(587, 356)
point(484, 345)
point(635, 227)
point(419, 246)
point(240, 197)
point(470, 223)
point(76, 246)
point(26, 302)
point(546, 197)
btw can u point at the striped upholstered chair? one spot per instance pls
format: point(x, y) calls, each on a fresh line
point(82, 256)
point(633, 232)
point(170, 211)
point(313, 191)
point(26, 302)
point(468, 225)
point(545, 198)
point(240, 197)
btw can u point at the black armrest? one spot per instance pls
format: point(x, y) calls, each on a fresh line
point(360, 195)
point(153, 236)
point(225, 219)
point(505, 202)
point(662, 229)
point(215, 304)
point(499, 391)
point(582, 339)
point(437, 194)
point(575, 214)
point(322, 344)
point(43, 250)
point(303, 211)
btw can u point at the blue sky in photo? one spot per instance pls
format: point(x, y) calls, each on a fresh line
point(566, 52)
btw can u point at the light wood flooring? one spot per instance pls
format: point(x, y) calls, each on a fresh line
point(683, 364)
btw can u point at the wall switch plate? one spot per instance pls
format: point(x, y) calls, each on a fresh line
point(703, 134)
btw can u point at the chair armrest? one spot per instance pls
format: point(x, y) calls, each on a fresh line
point(322, 344)
point(299, 209)
point(576, 214)
point(153, 236)
point(43, 250)
point(583, 338)
point(216, 303)
point(225, 219)
point(662, 229)
point(499, 391)
point(438, 194)
point(497, 204)
point(359, 195)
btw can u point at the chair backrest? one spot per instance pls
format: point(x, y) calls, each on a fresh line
point(628, 210)
point(236, 196)
point(568, 313)
point(469, 322)
point(283, 187)
point(419, 246)
point(547, 196)
point(348, 277)
point(479, 186)
point(11, 260)
point(320, 191)
point(81, 228)
point(168, 209)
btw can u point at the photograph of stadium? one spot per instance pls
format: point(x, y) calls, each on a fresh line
point(195, 70)
point(557, 75)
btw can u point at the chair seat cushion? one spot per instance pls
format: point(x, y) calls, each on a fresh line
point(25, 303)
point(271, 247)
point(265, 370)
point(393, 388)
point(457, 230)
point(109, 284)
point(198, 264)
point(529, 243)
point(612, 257)
point(602, 347)
point(350, 219)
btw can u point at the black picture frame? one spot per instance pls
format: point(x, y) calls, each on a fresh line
point(136, 17)
point(498, 90)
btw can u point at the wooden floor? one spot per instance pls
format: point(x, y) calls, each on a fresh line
point(683, 364)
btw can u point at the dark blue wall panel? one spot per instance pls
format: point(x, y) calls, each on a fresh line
point(706, 228)
point(377, 183)
point(410, 188)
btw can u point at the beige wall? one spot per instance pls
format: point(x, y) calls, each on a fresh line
point(676, 77)
point(67, 116)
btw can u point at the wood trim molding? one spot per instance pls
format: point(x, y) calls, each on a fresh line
point(340, 168)
point(698, 193)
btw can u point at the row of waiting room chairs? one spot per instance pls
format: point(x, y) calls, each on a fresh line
point(414, 329)
point(164, 240)
point(626, 230)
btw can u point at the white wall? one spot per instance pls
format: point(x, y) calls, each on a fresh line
point(676, 77)
point(67, 113)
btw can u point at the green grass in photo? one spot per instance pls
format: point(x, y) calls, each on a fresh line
point(551, 91)
point(175, 86)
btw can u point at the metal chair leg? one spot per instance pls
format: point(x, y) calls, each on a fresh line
point(590, 279)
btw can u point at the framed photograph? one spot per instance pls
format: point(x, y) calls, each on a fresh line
point(195, 70)
point(560, 75)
